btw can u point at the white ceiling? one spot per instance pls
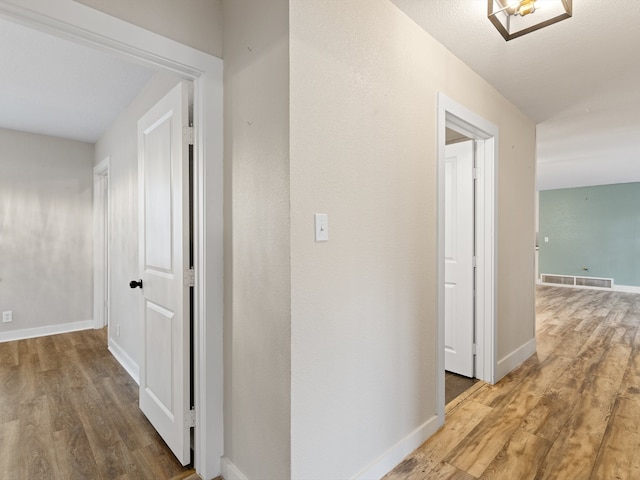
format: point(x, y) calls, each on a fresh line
point(579, 80)
point(57, 87)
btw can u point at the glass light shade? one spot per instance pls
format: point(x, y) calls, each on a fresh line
point(514, 18)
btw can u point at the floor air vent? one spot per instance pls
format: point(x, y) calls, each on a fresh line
point(577, 281)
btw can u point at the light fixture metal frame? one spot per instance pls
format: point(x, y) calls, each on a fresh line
point(568, 12)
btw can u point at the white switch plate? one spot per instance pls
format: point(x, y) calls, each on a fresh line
point(7, 316)
point(546, 239)
point(322, 227)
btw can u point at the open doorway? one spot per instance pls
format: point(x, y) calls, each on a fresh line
point(459, 251)
point(480, 138)
point(90, 27)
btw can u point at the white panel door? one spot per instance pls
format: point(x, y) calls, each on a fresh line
point(163, 169)
point(459, 271)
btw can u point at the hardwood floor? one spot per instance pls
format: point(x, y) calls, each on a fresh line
point(68, 410)
point(572, 411)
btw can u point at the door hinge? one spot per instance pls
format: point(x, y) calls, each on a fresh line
point(190, 278)
point(475, 261)
point(190, 419)
point(475, 173)
point(188, 135)
point(474, 348)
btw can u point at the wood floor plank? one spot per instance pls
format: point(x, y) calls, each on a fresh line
point(460, 423)
point(8, 433)
point(519, 458)
point(446, 471)
point(614, 362)
point(552, 413)
point(10, 383)
point(478, 449)
point(8, 354)
point(540, 380)
point(593, 409)
point(636, 339)
point(75, 458)
point(621, 444)
point(571, 456)
point(502, 393)
point(48, 354)
point(630, 386)
point(69, 411)
point(580, 419)
point(625, 334)
point(37, 459)
point(161, 462)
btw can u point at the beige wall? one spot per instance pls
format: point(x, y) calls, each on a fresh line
point(46, 262)
point(196, 23)
point(257, 275)
point(120, 144)
point(364, 83)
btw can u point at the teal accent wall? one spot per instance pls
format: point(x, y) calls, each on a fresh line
point(597, 227)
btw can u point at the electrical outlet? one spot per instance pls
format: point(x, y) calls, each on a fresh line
point(7, 316)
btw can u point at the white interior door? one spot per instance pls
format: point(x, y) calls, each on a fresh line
point(163, 169)
point(459, 242)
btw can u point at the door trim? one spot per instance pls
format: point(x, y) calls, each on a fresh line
point(101, 253)
point(453, 115)
point(82, 24)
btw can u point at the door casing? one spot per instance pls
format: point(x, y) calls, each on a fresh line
point(79, 23)
point(101, 253)
point(457, 117)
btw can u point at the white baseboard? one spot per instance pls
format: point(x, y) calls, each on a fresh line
point(125, 360)
point(230, 471)
point(626, 289)
point(392, 457)
point(515, 358)
point(44, 331)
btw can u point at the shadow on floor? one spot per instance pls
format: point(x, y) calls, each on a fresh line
point(455, 385)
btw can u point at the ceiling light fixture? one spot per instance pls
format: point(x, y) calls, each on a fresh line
point(516, 18)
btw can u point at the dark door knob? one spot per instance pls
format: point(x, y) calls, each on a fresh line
point(135, 283)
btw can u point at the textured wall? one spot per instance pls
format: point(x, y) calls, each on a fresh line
point(594, 227)
point(257, 276)
point(46, 263)
point(364, 83)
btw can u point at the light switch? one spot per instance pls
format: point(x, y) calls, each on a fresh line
point(546, 239)
point(322, 227)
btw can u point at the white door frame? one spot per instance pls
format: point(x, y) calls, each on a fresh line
point(72, 20)
point(453, 115)
point(101, 246)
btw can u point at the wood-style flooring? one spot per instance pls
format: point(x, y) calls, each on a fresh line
point(570, 412)
point(69, 411)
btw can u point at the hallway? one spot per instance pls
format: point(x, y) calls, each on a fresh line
point(570, 411)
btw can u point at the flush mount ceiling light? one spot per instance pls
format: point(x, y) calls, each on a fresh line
point(514, 18)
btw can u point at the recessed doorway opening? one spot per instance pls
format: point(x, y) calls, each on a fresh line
point(481, 138)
